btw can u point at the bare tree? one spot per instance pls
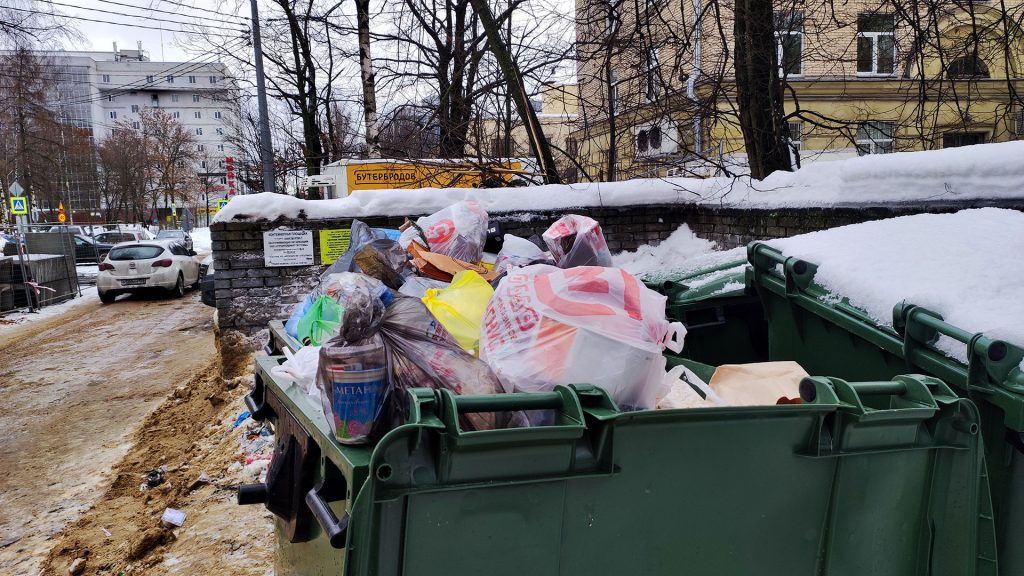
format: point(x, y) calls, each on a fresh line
point(171, 158)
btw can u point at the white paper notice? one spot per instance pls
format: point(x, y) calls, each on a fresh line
point(288, 248)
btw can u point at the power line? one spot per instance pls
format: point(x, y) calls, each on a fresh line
point(154, 19)
point(135, 86)
point(244, 20)
point(202, 9)
point(77, 17)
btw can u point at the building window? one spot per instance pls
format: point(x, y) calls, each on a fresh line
point(149, 78)
point(875, 138)
point(136, 125)
point(203, 164)
point(220, 147)
point(967, 67)
point(110, 98)
point(199, 131)
point(962, 139)
point(135, 108)
point(198, 114)
point(191, 79)
point(176, 115)
point(652, 85)
point(181, 163)
point(789, 43)
point(213, 79)
point(220, 164)
point(796, 135)
point(154, 101)
point(876, 46)
point(170, 79)
point(106, 78)
point(223, 179)
point(113, 115)
point(174, 97)
point(201, 148)
point(220, 131)
point(195, 97)
point(1020, 124)
point(217, 114)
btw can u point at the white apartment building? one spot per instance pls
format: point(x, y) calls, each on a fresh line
point(98, 89)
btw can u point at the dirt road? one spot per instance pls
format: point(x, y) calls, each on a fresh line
point(75, 388)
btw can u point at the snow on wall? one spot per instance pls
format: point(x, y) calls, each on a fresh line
point(987, 171)
point(966, 266)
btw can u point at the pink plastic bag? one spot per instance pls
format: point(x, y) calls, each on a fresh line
point(585, 325)
point(577, 241)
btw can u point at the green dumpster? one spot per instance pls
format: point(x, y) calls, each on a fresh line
point(826, 335)
point(881, 478)
point(724, 321)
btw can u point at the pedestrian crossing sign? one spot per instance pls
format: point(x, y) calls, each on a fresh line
point(221, 204)
point(19, 205)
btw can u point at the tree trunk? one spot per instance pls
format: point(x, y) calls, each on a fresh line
point(369, 83)
point(759, 89)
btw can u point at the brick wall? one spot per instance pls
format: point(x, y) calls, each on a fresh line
point(249, 294)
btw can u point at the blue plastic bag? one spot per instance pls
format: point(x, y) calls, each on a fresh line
point(292, 325)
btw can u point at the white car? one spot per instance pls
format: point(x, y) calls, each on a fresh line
point(144, 266)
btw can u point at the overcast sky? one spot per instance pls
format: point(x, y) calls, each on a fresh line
point(163, 44)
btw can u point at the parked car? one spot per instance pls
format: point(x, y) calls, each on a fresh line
point(67, 229)
point(115, 236)
point(175, 234)
point(89, 250)
point(206, 285)
point(155, 264)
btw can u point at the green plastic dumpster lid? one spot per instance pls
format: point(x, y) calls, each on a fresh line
point(721, 281)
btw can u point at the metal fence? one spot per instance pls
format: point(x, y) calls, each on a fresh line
point(37, 269)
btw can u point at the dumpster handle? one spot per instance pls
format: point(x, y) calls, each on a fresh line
point(508, 402)
point(335, 530)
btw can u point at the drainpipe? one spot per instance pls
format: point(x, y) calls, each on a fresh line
point(691, 93)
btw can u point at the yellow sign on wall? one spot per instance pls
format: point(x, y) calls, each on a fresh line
point(385, 175)
point(333, 244)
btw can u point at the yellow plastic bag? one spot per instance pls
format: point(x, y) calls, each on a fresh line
point(460, 307)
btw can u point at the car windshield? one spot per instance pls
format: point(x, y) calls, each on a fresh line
point(170, 234)
point(139, 252)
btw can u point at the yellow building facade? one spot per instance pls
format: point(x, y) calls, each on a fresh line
point(657, 95)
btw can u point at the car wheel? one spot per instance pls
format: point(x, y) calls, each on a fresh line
point(107, 297)
point(179, 287)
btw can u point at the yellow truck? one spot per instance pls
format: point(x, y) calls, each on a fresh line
point(341, 178)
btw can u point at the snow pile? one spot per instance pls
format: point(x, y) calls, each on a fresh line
point(201, 239)
point(965, 266)
point(681, 252)
point(987, 171)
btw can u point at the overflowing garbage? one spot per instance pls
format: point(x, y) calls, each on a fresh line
point(426, 306)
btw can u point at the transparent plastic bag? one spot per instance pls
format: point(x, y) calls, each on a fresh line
point(459, 231)
point(363, 300)
point(546, 326)
point(577, 241)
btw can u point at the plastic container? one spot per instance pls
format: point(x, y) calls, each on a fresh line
point(828, 336)
point(881, 478)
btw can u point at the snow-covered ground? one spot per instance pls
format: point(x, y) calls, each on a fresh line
point(15, 319)
point(200, 239)
point(965, 266)
point(987, 171)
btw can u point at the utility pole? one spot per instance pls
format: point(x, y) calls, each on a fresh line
point(266, 148)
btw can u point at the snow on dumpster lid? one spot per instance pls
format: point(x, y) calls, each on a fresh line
point(967, 266)
point(987, 171)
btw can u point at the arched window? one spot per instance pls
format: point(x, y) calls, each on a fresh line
point(967, 67)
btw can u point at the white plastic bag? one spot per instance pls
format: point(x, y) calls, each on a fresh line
point(516, 251)
point(459, 231)
point(301, 368)
point(577, 241)
point(586, 325)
